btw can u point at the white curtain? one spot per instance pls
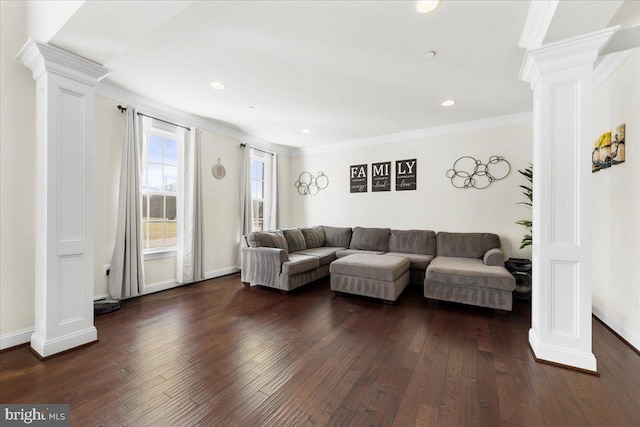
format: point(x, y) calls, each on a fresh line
point(274, 220)
point(245, 198)
point(189, 263)
point(126, 277)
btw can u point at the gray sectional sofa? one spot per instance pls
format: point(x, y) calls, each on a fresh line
point(459, 267)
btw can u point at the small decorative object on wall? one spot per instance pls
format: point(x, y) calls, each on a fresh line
point(618, 145)
point(381, 176)
point(609, 149)
point(358, 178)
point(309, 184)
point(467, 172)
point(218, 170)
point(601, 155)
point(406, 174)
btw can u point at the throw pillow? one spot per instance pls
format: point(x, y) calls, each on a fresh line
point(295, 240)
point(314, 237)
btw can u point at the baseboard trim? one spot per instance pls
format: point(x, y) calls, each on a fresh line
point(100, 296)
point(15, 339)
point(220, 272)
point(628, 337)
point(160, 286)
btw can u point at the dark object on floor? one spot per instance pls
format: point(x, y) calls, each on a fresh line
point(104, 306)
point(520, 268)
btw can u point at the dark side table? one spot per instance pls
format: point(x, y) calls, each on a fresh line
point(520, 269)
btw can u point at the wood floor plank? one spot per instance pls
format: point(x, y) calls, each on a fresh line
point(218, 353)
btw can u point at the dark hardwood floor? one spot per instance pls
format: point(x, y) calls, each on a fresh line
point(217, 353)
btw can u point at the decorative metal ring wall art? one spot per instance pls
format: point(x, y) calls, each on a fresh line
point(309, 184)
point(468, 172)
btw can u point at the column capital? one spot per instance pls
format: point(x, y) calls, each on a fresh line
point(42, 57)
point(563, 54)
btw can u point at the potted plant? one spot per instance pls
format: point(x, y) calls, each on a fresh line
point(521, 268)
point(528, 192)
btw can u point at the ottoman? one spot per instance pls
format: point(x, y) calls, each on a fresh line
point(377, 276)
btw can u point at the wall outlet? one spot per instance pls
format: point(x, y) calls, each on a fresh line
point(638, 300)
point(106, 268)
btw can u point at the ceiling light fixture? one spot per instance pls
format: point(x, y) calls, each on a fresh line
point(306, 131)
point(252, 108)
point(426, 6)
point(449, 103)
point(430, 54)
point(216, 85)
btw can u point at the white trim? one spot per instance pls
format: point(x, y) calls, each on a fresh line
point(150, 288)
point(42, 57)
point(539, 19)
point(13, 339)
point(220, 272)
point(183, 118)
point(562, 355)
point(165, 253)
point(607, 65)
point(631, 337)
point(470, 126)
point(560, 55)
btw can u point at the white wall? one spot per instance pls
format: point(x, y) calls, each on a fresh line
point(616, 209)
point(220, 201)
point(436, 204)
point(17, 178)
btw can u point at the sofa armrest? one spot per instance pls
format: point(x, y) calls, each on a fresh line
point(262, 265)
point(494, 257)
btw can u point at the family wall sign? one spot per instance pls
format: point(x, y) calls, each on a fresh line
point(406, 173)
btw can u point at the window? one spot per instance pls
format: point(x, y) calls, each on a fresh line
point(260, 190)
point(160, 184)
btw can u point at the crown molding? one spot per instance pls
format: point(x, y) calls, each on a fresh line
point(608, 65)
point(42, 57)
point(539, 19)
point(470, 126)
point(165, 112)
point(571, 52)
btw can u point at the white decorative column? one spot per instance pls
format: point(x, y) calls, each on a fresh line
point(65, 141)
point(561, 78)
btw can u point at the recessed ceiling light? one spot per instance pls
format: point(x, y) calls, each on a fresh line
point(306, 131)
point(252, 108)
point(216, 85)
point(430, 54)
point(426, 6)
point(448, 103)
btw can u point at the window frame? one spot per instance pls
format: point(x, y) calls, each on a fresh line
point(153, 127)
point(267, 164)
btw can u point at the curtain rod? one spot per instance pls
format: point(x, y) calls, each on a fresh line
point(242, 144)
point(123, 109)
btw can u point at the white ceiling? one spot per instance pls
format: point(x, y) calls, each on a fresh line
point(343, 69)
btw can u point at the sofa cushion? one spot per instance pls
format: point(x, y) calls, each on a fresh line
point(267, 239)
point(325, 254)
point(339, 237)
point(370, 239)
point(346, 252)
point(469, 272)
point(413, 241)
point(295, 239)
point(466, 245)
point(299, 264)
point(313, 237)
point(379, 267)
point(418, 261)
